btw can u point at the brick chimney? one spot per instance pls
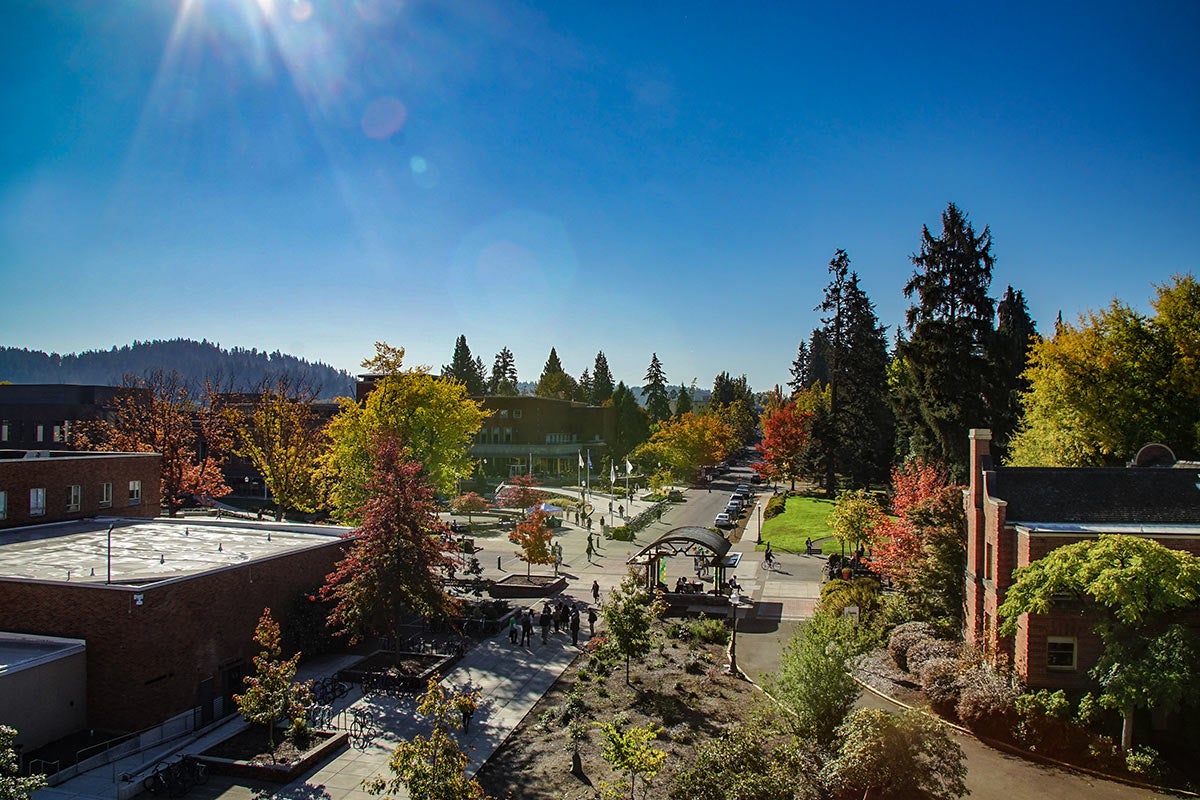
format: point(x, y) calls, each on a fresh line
point(981, 460)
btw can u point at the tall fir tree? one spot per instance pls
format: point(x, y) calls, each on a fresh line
point(683, 401)
point(654, 391)
point(633, 424)
point(602, 381)
point(949, 329)
point(504, 374)
point(464, 368)
point(799, 370)
point(555, 382)
point(481, 375)
point(1009, 355)
point(584, 390)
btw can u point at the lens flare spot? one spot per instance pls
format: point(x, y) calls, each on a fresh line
point(418, 165)
point(384, 118)
point(425, 173)
point(301, 10)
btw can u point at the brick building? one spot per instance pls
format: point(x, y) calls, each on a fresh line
point(166, 608)
point(38, 416)
point(1016, 515)
point(41, 486)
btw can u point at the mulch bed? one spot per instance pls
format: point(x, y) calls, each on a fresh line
point(251, 745)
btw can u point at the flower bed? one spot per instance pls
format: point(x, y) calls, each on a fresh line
point(527, 586)
point(244, 755)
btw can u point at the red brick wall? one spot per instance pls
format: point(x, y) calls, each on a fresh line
point(57, 475)
point(145, 662)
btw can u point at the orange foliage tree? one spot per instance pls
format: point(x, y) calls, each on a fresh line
point(786, 431)
point(534, 535)
point(520, 492)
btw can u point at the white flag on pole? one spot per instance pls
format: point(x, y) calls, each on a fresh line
point(581, 460)
point(628, 467)
point(612, 473)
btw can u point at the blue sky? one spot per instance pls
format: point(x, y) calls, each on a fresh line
point(313, 176)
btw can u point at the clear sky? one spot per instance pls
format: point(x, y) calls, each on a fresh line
point(315, 175)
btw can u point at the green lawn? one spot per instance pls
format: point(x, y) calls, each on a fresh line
point(803, 519)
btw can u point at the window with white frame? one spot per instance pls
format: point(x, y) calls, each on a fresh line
point(516, 413)
point(135, 493)
point(3, 505)
point(1060, 653)
point(504, 413)
point(508, 435)
point(60, 432)
point(74, 497)
point(106, 495)
point(4, 430)
point(39, 433)
point(37, 502)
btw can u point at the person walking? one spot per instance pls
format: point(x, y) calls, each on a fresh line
point(591, 622)
point(575, 626)
point(527, 628)
point(564, 616)
point(557, 612)
point(591, 550)
point(545, 620)
point(513, 625)
point(595, 591)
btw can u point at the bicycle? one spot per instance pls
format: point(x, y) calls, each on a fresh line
point(362, 730)
point(769, 562)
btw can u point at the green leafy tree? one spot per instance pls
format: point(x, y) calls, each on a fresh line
point(632, 752)
point(633, 424)
point(503, 380)
point(555, 382)
point(949, 329)
point(281, 437)
point(602, 381)
point(629, 612)
point(855, 516)
point(433, 767)
point(14, 786)
point(272, 692)
point(1136, 589)
point(654, 391)
point(814, 682)
point(687, 443)
point(434, 418)
point(1117, 380)
point(466, 369)
point(394, 565)
point(881, 755)
point(745, 763)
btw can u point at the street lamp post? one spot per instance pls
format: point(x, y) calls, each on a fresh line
point(735, 602)
point(758, 508)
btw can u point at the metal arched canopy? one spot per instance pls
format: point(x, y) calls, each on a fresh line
point(684, 541)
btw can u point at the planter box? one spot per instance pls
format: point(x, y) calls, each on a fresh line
point(527, 586)
point(416, 670)
point(282, 772)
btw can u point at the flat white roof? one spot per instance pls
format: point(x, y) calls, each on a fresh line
point(147, 551)
point(20, 651)
point(1096, 528)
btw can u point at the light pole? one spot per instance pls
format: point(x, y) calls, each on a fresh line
point(735, 602)
point(758, 508)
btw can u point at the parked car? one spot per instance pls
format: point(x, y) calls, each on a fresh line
point(742, 490)
point(723, 520)
point(734, 510)
point(756, 478)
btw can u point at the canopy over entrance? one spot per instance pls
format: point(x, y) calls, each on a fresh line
point(685, 541)
point(709, 551)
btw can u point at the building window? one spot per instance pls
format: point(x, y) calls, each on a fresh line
point(135, 493)
point(4, 431)
point(989, 557)
point(106, 495)
point(39, 433)
point(496, 435)
point(1060, 653)
point(37, 502)
point(504, 413)
point(74, 496)
point(508, 435)
point(59, 432)
point(516, 413)
point(3, 505)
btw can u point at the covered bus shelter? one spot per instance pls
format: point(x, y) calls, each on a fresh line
point(709, 552)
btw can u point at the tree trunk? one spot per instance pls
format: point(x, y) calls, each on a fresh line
point(279, 513)
point(1127, 728)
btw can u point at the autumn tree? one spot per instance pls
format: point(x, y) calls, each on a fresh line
point(433, 417)
point(602, 381)
point(631, 752)
point(1116, 380)
point(629, 610)
point(520, 492)
point(555, 382)
point(1136, 589)
point(533, 535)
point(271, 692)
point(785, 436)
point(281, 436)
point(13, 785)
point(433, 767)
point(466, 369)
point(949, 328)
point(855, 516)
point(159, 414)
point(393, 565)
point(503, 380)
point(469, 503)
point(687, 443)
point(654, 392)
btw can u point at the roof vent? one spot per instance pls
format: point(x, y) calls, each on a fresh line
point(1153, 455)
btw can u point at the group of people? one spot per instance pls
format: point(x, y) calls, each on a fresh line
point(563, 615)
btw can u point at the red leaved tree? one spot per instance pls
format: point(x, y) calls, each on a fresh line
point(520, 492)
point(785, 434)
point(394, 566)
point(899, 548)
point(534, 535)
point(469, 503)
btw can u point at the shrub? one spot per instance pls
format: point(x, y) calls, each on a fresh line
point(939, 681)
point(987, 699)
point(621, 533)
point(1044, 720)
point(709, 630)
point(775, 506)
point(905, 636)
point(924, 650)
point(1145, 761)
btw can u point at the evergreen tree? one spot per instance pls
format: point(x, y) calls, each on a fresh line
point(818, 359)
point(480, 375)
point(949, 327)
point(633, 425)
point(683, 401)
point(584, 392)
point(1009, 356)
point(602, 381)
point(799, 369)
point(464, 368)
point(555, 382)
point(658, 402)
point(504, 374)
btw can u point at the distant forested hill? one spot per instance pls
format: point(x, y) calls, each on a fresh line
point(235, 369)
